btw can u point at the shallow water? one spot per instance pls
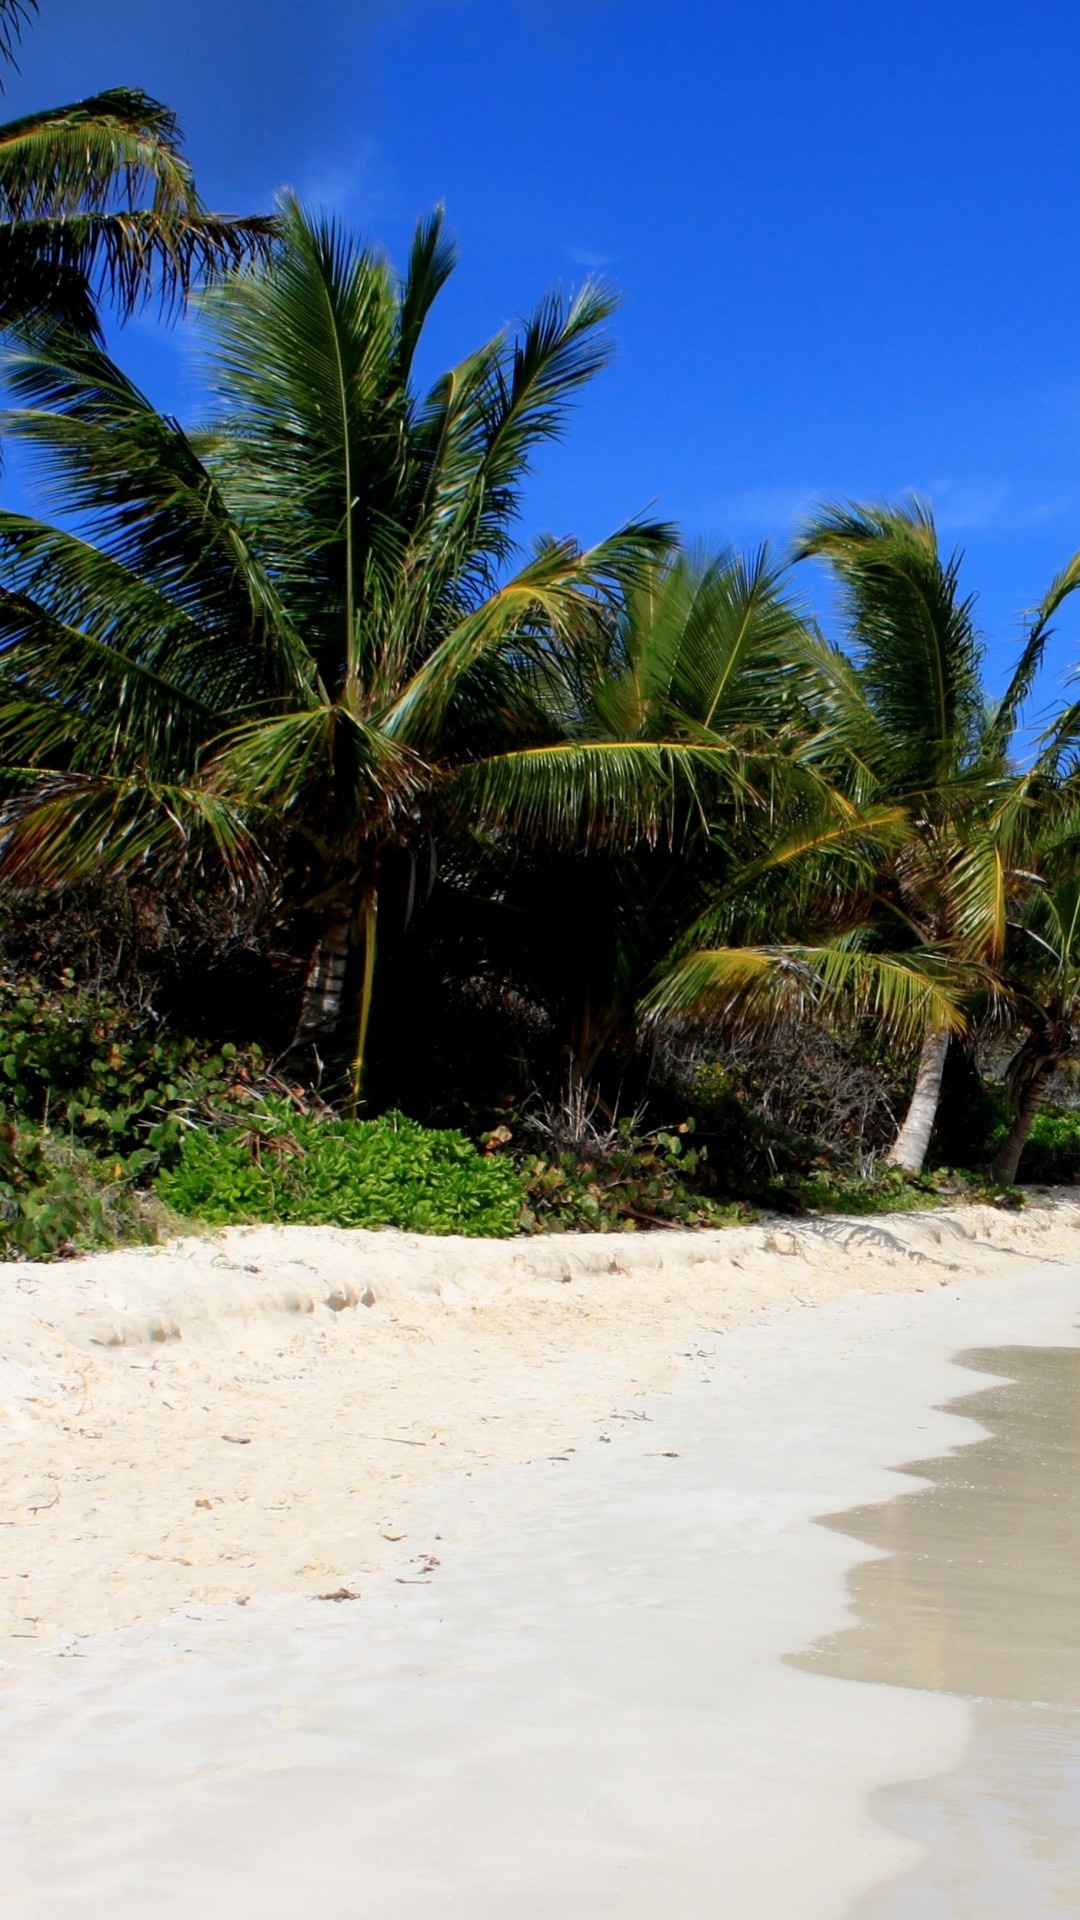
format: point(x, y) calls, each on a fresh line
point(976, 1591)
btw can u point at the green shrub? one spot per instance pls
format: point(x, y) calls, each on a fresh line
point(640, 1180)
point(274, 1164)
point(891, 1191)
point(116, 1078)
point(57, 1199)
point(1052, 1150)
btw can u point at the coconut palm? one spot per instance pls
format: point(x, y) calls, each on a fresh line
point(1045, 976)
point(705, 652)
point(908, 920)
point(97, 197)
point(299, 630)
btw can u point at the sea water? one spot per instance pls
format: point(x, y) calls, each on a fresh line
point(975, 1591)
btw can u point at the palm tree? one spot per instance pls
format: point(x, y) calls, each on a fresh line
point(97, 197)
point(1045, 976)
point(703, 653)
point(907, 909)
point(298, 630)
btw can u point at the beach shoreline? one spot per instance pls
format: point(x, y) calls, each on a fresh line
point(252, 1412)
point(549, 1673)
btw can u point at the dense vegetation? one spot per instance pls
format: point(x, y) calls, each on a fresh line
point(357, 865)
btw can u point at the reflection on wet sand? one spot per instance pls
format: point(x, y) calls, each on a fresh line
point(977, 1592)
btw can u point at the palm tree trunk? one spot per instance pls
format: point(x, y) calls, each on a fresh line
point(1006, 1160)
point(367, 917)
point(909, 1148)
point(324, 986)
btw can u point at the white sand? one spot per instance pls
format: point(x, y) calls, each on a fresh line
point(561, 1690)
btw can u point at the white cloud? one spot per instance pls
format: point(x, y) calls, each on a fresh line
point(588, 257)
point(347, 187)
point(764, 509)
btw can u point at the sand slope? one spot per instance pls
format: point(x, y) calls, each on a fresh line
point(252, 1413)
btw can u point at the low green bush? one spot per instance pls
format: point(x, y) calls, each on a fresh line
point(114, 1077)
point(891, 1191)
point(275, 1164)
point(57, 1199)
point(641, 1180)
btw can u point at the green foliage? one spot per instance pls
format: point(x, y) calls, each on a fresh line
point(892, 1191)
point(274, 1164)
point(740, 1141)
point(642, 1180)
point(56, 1199)
point(71, 227)
point(117, 1079)
point(1052, 1152)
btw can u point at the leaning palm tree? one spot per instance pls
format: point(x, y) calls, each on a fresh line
point(298, 634)
point(96, 198)
point(907, 919)
point(920, 726)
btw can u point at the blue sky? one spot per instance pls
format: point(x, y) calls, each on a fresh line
point(847, 237)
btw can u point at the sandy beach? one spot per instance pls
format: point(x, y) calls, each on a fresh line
point(368, 1575)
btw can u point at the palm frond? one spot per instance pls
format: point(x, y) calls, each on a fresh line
point(978, 892)
point(557, 591)
point(919, 655)
point(742, 654)
point(303, 358)
point(905, 993)
point(432, 260)
point(111, 699)
point(71, 828)
point(1002, 719)
point(839, 834)
point(324, 770)
point(114, 146)
point(482, 423)
point(61, 264)
point(96, 197)
point(134, 482)
point(600, 792)
point(14, 16)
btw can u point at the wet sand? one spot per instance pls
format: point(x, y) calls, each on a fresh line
point(563, 1688)
point(979, 1595)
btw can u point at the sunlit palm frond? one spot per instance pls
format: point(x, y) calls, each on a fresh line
point(97, 197)
point(601, 792)
point(977, 889)
point(905, 993)
point(116, 146)
point(134, 482)
point(742, 657)
point(73, 828)
point(548, 599)
point(918, 652)
point(475, 437)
